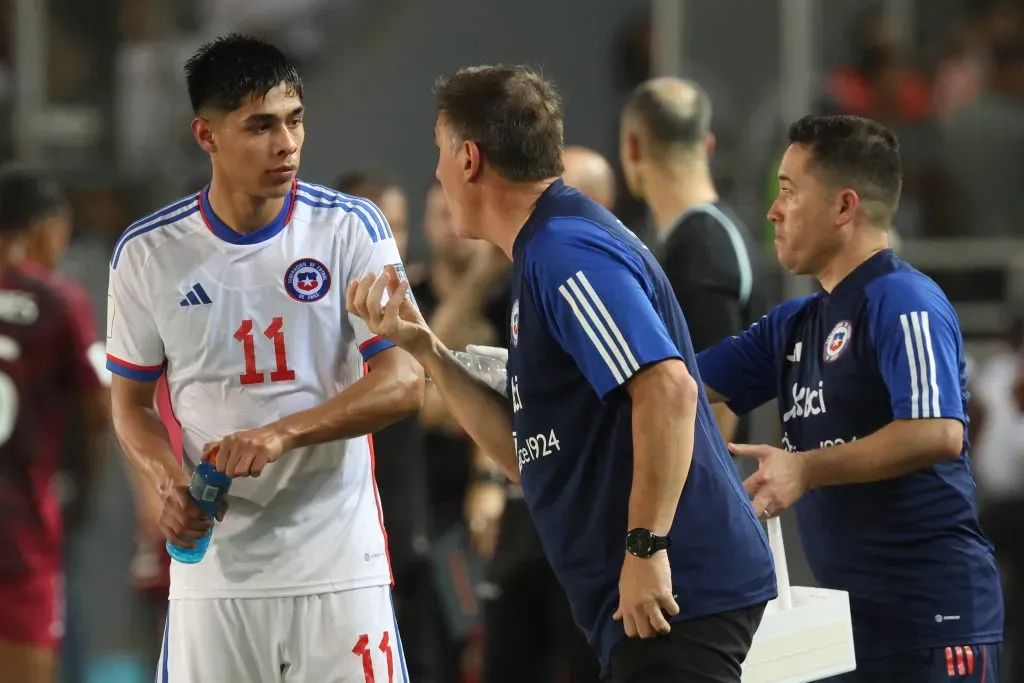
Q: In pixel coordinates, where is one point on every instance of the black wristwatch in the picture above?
(642, 543)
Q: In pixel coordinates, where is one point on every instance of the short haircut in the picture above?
(512, 114)
(367, 183)
(854, 152)
(222, 74)
(674, 114)
(27, 196)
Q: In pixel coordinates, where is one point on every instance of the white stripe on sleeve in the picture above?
(583, 320)
(915, 406)
(922, 365)
(927, 332)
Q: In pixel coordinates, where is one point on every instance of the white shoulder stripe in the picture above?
(599, 327)
(924, 387)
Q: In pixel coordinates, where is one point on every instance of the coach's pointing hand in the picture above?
(645, 591)
(780, 480)
(398, 320)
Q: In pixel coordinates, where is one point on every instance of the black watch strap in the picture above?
(642, 542)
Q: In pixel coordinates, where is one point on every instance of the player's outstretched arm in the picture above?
(482, 412)
(390, 391)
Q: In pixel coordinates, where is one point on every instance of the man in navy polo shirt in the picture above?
(869, 376)
(635, 499)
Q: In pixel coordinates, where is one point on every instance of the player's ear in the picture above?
(203, 133)
(472, 160)
(846, 204)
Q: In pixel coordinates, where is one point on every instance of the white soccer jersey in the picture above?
(251, 328)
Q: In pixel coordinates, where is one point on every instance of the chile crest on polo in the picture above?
(307, 280)
(836, 341)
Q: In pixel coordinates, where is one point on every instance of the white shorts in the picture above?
(345, 637)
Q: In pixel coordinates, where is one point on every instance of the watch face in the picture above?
(638, 542)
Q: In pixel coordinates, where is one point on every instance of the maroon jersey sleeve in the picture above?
(85, 371)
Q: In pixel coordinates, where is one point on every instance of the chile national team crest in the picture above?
(307, 280)
(514, 323)
(836, 341)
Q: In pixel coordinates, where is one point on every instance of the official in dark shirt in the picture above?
(668, 582)
(706, 251)
(869, 375)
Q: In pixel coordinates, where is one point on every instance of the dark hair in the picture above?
(511, 113)
(672, 111)
(365, 183)
(26, 196)
(223, 73)
(858, 153)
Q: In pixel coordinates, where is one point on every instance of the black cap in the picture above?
(26, 196)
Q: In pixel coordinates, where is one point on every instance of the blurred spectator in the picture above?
(464, 297)
(385, 194)
(707, 253)
(878, 84)
(400, 471)
(998, 464)
(984, 143)
(961, 76)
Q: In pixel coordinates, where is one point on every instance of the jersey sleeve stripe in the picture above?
(183, 213)
(908, 341)
(132, 229)
(599, 326)
(341, 204)
(371, 347)
(371, 208)
(630, 364)
(140, 373)
(930, 353)
(367, 210)
(922, 363)
(585, 324)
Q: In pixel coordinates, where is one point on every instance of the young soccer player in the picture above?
(236, 294)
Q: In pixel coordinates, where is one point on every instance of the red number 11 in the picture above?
(275, 332)
(363, 650)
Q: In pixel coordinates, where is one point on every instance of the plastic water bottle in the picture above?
(484, 366)
(207, 488)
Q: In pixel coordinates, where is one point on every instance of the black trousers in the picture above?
(709, 649)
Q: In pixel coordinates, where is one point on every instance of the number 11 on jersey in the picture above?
(275, 333)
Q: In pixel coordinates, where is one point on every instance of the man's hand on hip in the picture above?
(645, 591)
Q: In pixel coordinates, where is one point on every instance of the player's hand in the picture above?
(181, 520)
(246, 454)
(780, 480)
(399, 320)
(645, 595)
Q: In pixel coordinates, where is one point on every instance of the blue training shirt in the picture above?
(884, 345)
(590, 309)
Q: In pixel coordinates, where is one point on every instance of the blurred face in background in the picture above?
(805, 216)
(49, 239)
(439, 228)
(256, 148)
(393, 205)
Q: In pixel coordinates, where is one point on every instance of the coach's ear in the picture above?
(203, 133)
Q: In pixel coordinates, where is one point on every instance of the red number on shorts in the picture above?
(275, 332)
(362, 649)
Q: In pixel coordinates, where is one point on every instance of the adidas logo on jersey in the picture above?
(196, 296)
